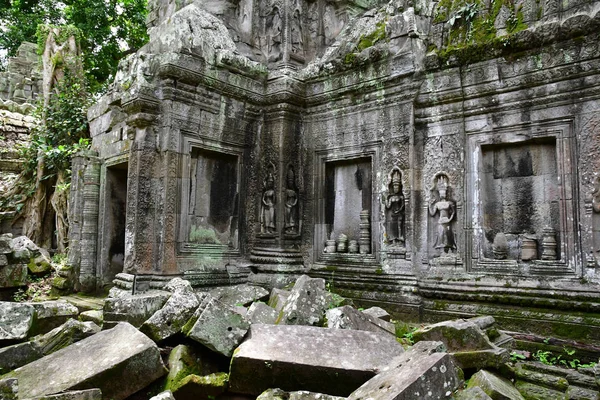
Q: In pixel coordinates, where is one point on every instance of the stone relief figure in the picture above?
(394, 210)
(442, 207)
(267, 205)
(273, 33)
(596, 221)
(297, 40)
(291, 204)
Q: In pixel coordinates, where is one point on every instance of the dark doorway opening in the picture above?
(116, 206)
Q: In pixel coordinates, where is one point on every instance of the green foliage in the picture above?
(514, 356)
(111, 29)
(38, 289)
(405, 332)
(549, 358)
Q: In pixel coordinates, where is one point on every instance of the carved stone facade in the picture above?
(258, 141)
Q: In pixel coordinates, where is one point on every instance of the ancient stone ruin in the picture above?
(387, 147)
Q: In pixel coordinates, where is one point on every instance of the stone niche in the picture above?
(519, 196)
(210, 201)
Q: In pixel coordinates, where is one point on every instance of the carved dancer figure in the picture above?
(394, 209)
(274, 35)
(268, 201)
(291, 204)
(596, 221)
(444, 208)
(297, 40)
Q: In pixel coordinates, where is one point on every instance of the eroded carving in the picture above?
(596, 221)
(267, 206)
(395, 210)
(444, 209)
(291, 204)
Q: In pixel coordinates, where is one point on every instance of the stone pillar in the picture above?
(83, 219)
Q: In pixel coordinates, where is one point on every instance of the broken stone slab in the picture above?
(479, 359)
(178, 284)
(216, 326)
(134, 309)
(321, 360)
(166, 395)
(194, 387)
(5, 244)
(528, 390)
(483, 322)
(457, 335)
(378, 312)
(51, 314)
(27, 252)
(239, 295)
(9, 389)
(122, 352)
(278, 394)
(474, 393)
(173, 315)
(14, 275)
(494, 386)
(15, 322)
(347, 317)
(95, 316)
(88, 394)
(278, 298)
(419, 349)
(433, 376)
(261, 313)
(186, 360)
(306, 304)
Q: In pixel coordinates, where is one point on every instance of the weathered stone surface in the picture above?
(88, 394)
(306, 304)
(169, 320)
(483, 322)
(239, 295)
(9, 389)
(378, 312)
(321, 360)
(51, 314)
(95, 316)
(347, 317)
(418, 350)
(186, 360)
(178, 284)
(261, 313)
(166, 395)
(530, 390)
(474, 393)
(17, 355)
(15, 321)
(201, 387)
(494, 386)
(13, 275)
(278, 394)
(94, 362)
(25, 251)
(278, 298)
(579, 393)
(457, 335)
(5, 244)
(216, 327)
(133, 309)
(421, 372)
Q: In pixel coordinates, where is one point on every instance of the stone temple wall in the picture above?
(394, 155)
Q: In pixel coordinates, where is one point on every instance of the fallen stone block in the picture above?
(88, 394)
(457, 335)
(178, 284)
(134, 309)
(119, 361)
(95, 316)
(378, 312)
(166, 395)
(9, 389)
(321, 360)
(14, 275)
(347, 317)
(278, 394)
(419, 349)
(418, 373)
(3, 260)
(306, 304)
(480, 359)
(528, 390)
(260, 313)
(239, 295)
(579, 393)
(494, 386)
(25, 251)
(278, 298)
(51, 314)
(5, 244)
(474, 393)
(169, 320)
(186, 360)
(15, 322)
(216, 326)
(194, 387)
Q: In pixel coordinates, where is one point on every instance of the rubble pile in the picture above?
(228, 342)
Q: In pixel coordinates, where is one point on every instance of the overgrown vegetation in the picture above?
(547, 357)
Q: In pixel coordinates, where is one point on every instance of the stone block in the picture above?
(378, 312)
(17, 355)
(134, 309)
(260, 313)
(14, 275)
(186, 360)
(474, 393)
(422, 376)
(494, 386)
(216, 326)
(95, 362)
(5, 244)
(278, 298)
(239, 295)
(51, 314)
(478, 359)
(194, 387)
(306, 304)
(9, 389)
(3, 260)
(278, 394)
(347, 317)
(332, 361)
(88, 394)
(169, 320)
(15, 322)
(95, 316)
(457, 335)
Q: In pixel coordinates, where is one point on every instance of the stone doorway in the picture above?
(113, 251)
